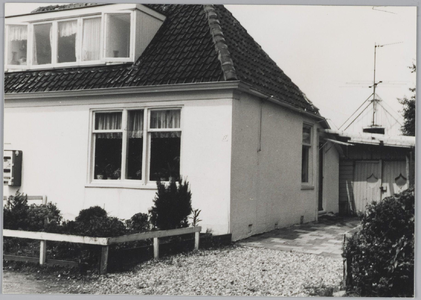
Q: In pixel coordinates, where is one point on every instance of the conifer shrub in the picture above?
(172, 205)
(381, 253)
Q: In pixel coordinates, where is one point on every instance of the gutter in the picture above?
(246, 88)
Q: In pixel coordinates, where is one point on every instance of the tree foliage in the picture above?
(408, 127)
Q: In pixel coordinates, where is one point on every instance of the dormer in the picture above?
(83, 36)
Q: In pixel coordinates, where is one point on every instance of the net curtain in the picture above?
(165, 119)
(91, 39)
(108, 121)
(18, 33)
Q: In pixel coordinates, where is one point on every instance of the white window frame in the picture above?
(309, 183)
(104, 34)
(144, 182)
(78, 50)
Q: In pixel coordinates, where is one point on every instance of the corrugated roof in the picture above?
(196, 43)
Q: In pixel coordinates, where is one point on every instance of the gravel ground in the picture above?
(231, 271)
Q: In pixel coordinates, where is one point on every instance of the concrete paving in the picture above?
(322, 238)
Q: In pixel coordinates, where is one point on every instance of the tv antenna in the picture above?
(375, 101)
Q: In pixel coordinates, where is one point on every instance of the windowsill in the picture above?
(307, 186)
(121, 185)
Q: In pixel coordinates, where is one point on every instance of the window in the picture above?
(71, 42)
(91, 39)
(164, 131)
(66, 41)
(17, 43)
(118, 35)
(119, 143)
(42, 40)
(306, 153)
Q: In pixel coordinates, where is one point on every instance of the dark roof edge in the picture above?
(221, 46)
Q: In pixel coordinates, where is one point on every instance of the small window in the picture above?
(42, 44)
(118, 35)
(66, 42)
(306, 153)
(17, 44)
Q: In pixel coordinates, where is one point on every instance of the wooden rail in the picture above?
(104, 242)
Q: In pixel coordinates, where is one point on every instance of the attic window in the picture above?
(102, 38)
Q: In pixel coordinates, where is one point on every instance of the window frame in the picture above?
(123, 182)
(309, 148)
(105, 17)
(78, 43)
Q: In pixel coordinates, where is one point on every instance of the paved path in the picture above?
(322, 238)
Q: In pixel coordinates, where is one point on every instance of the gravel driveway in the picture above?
(231, 271)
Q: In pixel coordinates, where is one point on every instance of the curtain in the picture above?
(18, 33)
(135, 126)
(165, 119)
(91, 39)
(67, 28)
(108, 121)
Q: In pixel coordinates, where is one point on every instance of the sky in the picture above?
(328, 51)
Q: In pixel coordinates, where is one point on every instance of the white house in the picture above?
(103, 100)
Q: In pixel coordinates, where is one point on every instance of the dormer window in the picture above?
(95, 35)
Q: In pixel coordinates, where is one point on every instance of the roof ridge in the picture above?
(221, 47)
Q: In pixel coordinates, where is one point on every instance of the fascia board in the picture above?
(192, 87)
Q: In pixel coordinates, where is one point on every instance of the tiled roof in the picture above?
(196, 43)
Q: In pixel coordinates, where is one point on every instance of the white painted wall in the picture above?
(54, 137)
(266, 185)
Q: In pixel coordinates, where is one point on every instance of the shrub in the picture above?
(172, 205)
(15, 212)
(382, 251)
(94, 222)
(138, 223)
(44, 217)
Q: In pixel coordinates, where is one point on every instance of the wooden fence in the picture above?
(104, 242)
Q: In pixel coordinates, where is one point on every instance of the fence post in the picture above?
(196, 240)
(155, 248)
(43, 244)
(104, 260)
(42, 252)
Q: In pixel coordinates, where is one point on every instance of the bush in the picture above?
(94, 222)
(138, 223)
(172, 205)
(44, 217)
(15, 212)
(382, 251)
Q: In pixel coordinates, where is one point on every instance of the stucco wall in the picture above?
(266, 185)
(54, 137)
(330, 178)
